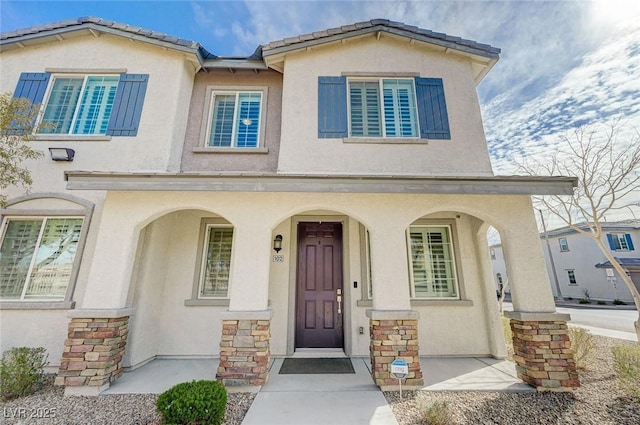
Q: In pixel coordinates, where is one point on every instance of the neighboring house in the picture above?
(581, 268)
(331, 191)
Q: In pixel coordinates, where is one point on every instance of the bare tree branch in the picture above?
(608, 172)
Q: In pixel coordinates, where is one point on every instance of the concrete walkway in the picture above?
(326, 399)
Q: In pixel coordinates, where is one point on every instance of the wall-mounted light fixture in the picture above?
(277, 243)
(62, 154)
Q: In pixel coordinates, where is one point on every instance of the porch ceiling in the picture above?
(270, 182)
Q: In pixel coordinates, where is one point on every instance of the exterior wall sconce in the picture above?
(277, 243)
(62, 154)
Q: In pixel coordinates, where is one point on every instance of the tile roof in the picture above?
(98, 23)
(382, 24)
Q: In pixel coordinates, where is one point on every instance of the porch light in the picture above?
(277, 243)
(62, 154)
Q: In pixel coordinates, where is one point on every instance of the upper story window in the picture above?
(620, 241)
(564, 245)
(433, 271)
(235, 117)
(37, 256)
(384, 108)
(86, 104)
(571, 275)
(80, 105)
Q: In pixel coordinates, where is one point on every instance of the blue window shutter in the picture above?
(612, 244)
(432, 109)
(127, 106)
(31, 85)
(629, 243)
(332, 107)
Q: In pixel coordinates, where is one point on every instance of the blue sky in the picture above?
(563, 63)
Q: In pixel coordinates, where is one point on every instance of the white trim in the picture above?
(74, 265)
(452, 254)
(207, 119)
(203, 264)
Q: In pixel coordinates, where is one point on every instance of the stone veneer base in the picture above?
(392, 339)
(543, 354)
(244, 352)
(92, 356)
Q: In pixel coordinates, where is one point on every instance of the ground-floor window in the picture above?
(216, 262)
(37, 256)
(432, 263)
(571, 274)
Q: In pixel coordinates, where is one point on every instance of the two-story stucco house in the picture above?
(576, 265)
(332, 191)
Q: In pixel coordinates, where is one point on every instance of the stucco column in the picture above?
(246, 328)
(390, 279)
(113, 259)
(251, 258)
(526, 269)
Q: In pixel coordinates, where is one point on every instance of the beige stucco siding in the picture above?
(257, 283)
(302, 152)
(163, 119)
(199, 112)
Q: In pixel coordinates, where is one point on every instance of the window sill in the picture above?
(231, 150)
(37, 305)
(70, 138)
(385, 140)
(441, 303)
(207, 303)
(364, 303)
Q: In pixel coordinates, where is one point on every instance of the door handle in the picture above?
(339, 300)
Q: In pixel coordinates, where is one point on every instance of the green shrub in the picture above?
(22, 371)
(436, 412)
(600, 302)
(619, 302)
(582, 343)
(195, 402)
(584, 301)
(626, 364)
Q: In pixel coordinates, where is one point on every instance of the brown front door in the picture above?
(319, 286)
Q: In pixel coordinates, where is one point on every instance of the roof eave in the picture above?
(90, 27)
(488, 53)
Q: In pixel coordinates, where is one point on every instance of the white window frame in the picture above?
(383, 126)
(621, 239)
(571, 274)
(74, 266)
(203, 261)
(564, 247)
(45, 103)
(207, 121)
(454, 266)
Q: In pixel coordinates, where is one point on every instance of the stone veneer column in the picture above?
(543, 353)
(93, 352)
(244, 348)
(394, 334)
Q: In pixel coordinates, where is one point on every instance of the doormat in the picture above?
(297, 366)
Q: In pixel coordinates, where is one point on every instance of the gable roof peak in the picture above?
(379, 24)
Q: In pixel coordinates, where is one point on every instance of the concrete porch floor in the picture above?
(440, 374)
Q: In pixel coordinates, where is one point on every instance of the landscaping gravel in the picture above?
(598, 401)
(50, 406)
